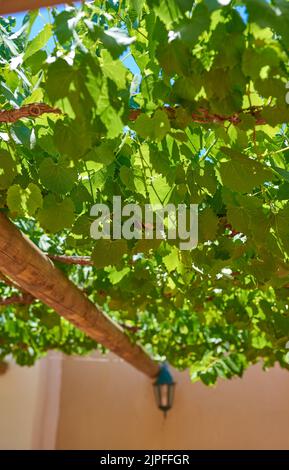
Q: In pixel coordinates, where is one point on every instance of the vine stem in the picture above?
(50, 21)
(143, 169)
(89, 179)
(11, 144)
(203, 157)
(280, 151)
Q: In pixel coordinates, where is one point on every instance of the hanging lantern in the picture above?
(164, 389)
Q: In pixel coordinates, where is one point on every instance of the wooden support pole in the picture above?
(34, 272)
(13, 6)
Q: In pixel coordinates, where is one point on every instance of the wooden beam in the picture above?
(34, 272)
(14, 6)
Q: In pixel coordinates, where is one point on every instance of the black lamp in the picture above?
(164, 389)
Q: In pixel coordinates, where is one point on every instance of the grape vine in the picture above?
(171, 101)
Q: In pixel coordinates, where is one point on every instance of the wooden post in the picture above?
(13, 6)
(34, 272)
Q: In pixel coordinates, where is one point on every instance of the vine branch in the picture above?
(24, 299)
(80, 260)
(202, 115)
(28, 111)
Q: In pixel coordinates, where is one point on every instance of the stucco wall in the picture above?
(29, 405)
(106, 404)
(19, 406)
(103, 403)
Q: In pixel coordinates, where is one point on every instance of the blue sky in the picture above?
(43, 18)
(40, 21)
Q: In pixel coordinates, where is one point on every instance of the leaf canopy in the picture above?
(175, 101)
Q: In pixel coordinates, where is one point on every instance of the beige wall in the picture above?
(106, 404)
(29, 405)
(19, 406)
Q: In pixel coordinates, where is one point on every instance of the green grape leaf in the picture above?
(154, 128)
(242, 173)
(38, 42)
(56, 216)
(103, 153)
(208, 224)
(7, 169)
(23, 202)
(108, 252)
(60, 77)
(57, 176)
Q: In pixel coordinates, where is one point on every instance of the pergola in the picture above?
(13, 6)
(35, 273)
